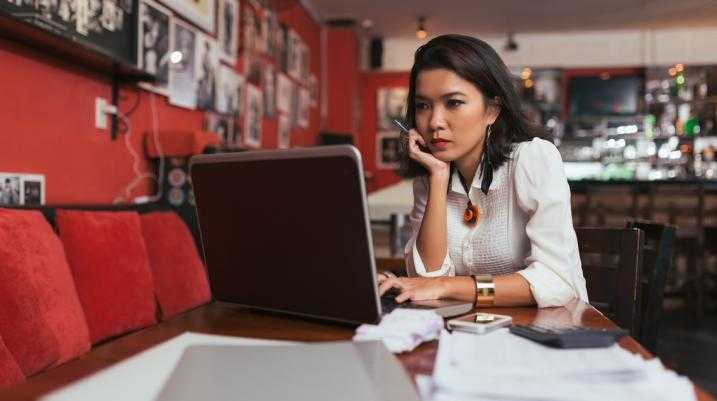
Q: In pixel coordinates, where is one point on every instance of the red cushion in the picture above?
(180, 280)
(10, 373)
(109, 263)
(34, 256)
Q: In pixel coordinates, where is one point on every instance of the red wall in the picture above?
(370, 83)
(343, 76)
(47, 116)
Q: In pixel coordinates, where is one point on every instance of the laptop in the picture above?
(288, 231)
(335, 371)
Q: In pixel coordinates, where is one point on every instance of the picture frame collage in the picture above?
(232, 59)
(22, 189)
(390, 105)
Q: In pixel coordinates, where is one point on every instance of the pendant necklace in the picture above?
(472, 212)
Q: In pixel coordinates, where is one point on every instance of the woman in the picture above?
(491, 219)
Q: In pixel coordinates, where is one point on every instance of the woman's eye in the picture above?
(421, 106)
(454, 103)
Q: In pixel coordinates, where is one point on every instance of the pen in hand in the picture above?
(400, 125)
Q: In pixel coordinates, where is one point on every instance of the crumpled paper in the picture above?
(403, 330)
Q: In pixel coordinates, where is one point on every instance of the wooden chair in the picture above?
(612, 263)
(657, 262)
(683, 206)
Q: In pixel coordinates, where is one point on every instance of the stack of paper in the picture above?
(503, 366)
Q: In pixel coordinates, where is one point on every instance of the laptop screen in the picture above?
(288, 231)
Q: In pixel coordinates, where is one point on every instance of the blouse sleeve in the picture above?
(414, 263)
(553, 265)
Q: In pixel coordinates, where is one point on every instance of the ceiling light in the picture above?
(421, 32)
(367, 23)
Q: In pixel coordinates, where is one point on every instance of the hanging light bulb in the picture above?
(421, 32)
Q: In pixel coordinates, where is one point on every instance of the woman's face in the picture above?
(451, 114)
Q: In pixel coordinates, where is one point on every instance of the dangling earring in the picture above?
(486, 165)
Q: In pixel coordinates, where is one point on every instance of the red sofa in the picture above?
(72, 278)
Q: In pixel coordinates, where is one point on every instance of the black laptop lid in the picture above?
(287, 230)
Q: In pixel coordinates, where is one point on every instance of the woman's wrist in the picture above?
(458, 287)
(439, 173)
(439, 179)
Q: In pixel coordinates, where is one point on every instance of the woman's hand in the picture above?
(413, 288)
(424, 157)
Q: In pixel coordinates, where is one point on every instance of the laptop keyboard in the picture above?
(388, 304)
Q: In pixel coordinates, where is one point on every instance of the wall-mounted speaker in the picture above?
(376, 53)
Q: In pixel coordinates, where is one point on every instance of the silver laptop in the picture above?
(288, 231)
(340, 371)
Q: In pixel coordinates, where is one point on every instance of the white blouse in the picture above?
(525, 226)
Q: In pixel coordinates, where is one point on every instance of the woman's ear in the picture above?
(493, 110)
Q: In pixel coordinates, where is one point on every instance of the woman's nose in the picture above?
(437, 120)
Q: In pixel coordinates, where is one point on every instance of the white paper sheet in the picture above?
(502, 366)
(141, 377)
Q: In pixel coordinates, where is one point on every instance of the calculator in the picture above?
(568, 336)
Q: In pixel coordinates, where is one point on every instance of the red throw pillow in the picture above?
(108, 260)
(180, 280)
(33, 264)
(10, 373)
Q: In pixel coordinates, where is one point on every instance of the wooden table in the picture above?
(227, 319)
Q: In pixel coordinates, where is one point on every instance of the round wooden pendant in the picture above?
(471, 215)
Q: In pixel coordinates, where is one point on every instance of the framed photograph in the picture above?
(221, 125)
(183, 74)
(272, 24)
(304, 61)
(304, 105)
(207, 62)
(238, 126)
(198, 12)
(228, 90)
(228, 30)
(284, 132)
(294, 106)
(280, 51)
(269, 87)
(254, 114)
(237, 109)
(314, 90)
(293, 54)
(153, 44)
(390, 104)
(253, 68)
(11, 192)
(388, 156)
(33, 189)
(253, 40)
(262, 43)
(284, 88)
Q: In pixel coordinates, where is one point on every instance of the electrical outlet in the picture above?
(100, 114)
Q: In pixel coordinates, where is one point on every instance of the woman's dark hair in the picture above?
(475, 61)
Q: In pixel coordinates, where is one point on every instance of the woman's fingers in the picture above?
(387, 284)
(419, 138)
(384, 275)
(404, 296)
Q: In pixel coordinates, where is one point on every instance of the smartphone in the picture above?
(479, 323)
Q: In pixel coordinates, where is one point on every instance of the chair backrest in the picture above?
(612, 262)
(656, 263)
